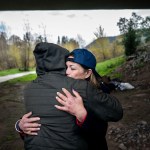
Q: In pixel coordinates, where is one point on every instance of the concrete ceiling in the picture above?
(73, 4)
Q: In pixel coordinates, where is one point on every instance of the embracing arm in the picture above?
(104, 106)
(28, 125)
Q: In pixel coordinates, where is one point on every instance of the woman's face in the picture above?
(76, 71)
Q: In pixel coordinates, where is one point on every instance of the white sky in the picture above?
(67, 23)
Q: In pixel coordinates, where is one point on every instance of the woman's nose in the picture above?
(67, 71)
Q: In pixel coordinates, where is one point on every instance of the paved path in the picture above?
(12, 76)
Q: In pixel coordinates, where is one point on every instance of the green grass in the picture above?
(108, 66)
(23, 79)
(12, 71)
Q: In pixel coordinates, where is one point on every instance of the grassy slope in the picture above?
(108, 66)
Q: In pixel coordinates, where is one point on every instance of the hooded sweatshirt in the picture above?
(58, 128)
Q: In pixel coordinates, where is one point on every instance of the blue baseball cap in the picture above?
(85, 58)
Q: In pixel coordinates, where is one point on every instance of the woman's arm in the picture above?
(28, 124)
(104, 106)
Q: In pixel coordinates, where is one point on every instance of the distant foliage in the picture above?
(69, 44)
(130, 42)
(133, 29)
(103, 48)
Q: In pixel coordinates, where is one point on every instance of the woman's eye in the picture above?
(73, 68)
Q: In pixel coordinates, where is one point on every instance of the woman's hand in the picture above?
(71, 104)
(29, 125)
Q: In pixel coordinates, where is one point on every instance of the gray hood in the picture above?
(49, 58)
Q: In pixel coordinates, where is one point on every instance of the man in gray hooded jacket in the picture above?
(58, 128)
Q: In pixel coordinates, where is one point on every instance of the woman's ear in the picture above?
(88, 73)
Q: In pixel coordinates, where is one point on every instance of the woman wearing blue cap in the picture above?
(80, 65)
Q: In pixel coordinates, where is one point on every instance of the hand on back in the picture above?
(29, 124)
(71, 104)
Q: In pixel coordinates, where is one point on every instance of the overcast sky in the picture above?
(67, 23)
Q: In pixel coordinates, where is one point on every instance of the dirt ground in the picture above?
(130, 133)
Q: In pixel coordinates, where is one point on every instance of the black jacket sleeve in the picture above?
(105, 106)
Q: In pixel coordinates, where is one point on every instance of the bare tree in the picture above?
(3, 47)
(58, 41)
(27, 39)
(3, 51)
(100, 32)
(80, 41)
(43, 27)
(14, 52)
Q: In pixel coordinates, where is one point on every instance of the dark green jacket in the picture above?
(59, 130)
